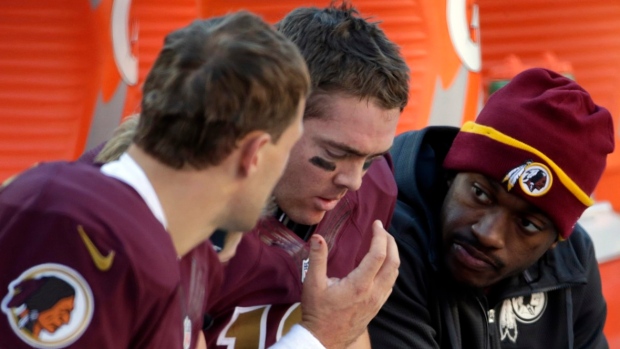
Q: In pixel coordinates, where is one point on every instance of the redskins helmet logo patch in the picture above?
(524, 309)
(48, 306)
(534, 178)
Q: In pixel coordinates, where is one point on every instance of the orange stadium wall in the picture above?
(49, 76)
(72, 70)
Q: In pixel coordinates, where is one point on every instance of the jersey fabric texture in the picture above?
(201, 276)
(556, 303)
(259, 300)
(95, 237)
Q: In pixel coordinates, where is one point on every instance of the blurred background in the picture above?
(71, 70)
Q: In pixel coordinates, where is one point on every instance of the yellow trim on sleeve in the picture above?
(472, 127)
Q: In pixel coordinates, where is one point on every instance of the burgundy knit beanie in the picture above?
(544, 139)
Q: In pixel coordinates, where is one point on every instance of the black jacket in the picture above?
(556, 303)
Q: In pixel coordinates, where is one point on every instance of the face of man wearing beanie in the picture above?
(525, 170)
(489, 233)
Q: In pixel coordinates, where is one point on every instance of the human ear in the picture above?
(251, 148)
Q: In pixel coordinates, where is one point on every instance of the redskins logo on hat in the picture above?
(48, 306)
(534, 178)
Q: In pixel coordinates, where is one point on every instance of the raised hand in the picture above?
(337, 311)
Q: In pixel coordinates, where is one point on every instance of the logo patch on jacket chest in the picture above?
(524, 309)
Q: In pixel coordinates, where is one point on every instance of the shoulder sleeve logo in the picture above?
(103, 263)
(49, 306)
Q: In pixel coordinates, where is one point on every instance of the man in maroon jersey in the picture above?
(336, 184)
(115, 234)
(222, 107)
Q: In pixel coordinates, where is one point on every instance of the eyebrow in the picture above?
(495, 184)
(349, 150)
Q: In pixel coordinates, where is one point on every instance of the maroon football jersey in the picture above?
(259, 300)
(201, 276)
(85, 264)
(199, 267)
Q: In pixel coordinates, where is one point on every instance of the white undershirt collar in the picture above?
(127, 170)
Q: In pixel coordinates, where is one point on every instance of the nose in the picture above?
(490, 229)
(64, 319)
(350, 176)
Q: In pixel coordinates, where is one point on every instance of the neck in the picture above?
(192, 205)
(302, 230)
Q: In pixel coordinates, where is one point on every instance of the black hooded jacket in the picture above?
(556, 303)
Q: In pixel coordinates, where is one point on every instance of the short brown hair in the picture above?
(346, 53)
(214, 82)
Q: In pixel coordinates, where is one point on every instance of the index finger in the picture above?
(372, 262)
(389, 269)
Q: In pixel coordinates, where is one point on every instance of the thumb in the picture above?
(317, 270)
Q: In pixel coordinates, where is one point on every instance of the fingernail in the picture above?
(314, 243)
